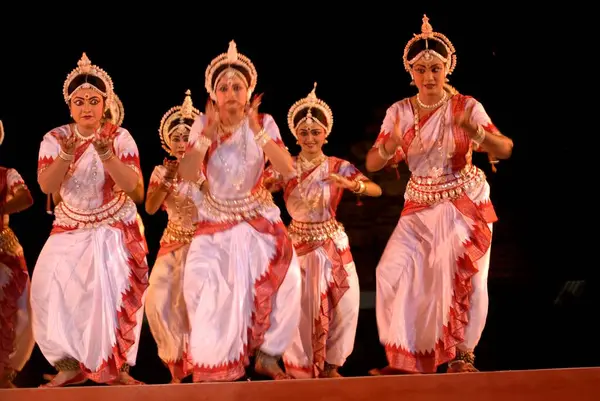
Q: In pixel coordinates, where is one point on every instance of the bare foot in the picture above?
(180, 379)
(7, 377)
(388, 371)
(267, 365)
(65, 378)
(125, 380)
(330, 374)
(461, 367)
(48, 376)
(5, 383)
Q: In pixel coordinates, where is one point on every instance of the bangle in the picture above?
(402, 154)
(168, 185)
(480, 136)
(202, 141)
(361, 187)
(383, 153)
(201, 181)
(106, 155)
(65, 156)
(262, 138)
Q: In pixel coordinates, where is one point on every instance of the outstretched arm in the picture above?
(351, 178)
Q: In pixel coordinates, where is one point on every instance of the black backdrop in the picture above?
(354, 53)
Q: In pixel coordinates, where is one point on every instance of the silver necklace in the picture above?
(432, 106)
(80, 135)
(313, 199)
(241, 171)
(435, 172)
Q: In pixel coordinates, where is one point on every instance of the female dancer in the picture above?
(242, 280)
(16, 337)
(115, 114)
(89, 282)
(331, 294)
(432, 277)
(165, 306)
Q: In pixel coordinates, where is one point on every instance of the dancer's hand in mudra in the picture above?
(212, 120)
(463, 120)
(252, 111)
(102, 144)
(341, 182)
(396, 136)
(69, 144)
(172, 166)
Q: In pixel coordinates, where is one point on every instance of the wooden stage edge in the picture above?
(581, 384)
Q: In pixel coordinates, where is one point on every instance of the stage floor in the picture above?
(525, 330)
(533, 385)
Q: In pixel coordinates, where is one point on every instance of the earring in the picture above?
(447, 80)
(297, 142)
(412, 83)
(325, 141)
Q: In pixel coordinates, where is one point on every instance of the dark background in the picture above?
(505, 60)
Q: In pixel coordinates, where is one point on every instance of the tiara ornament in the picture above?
(428, 34)
(311, 102)
(178, 114)
(232, 54)
(232, 57)
(426, 28)
(85, 66)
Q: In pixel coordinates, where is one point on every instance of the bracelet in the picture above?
(168, 185)
(106, 155)
(262, 138)
(480, 137)
(402, 154)
(383, 153)
(202, 141)
(65, 156)
(362, 187)
(201, 181)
